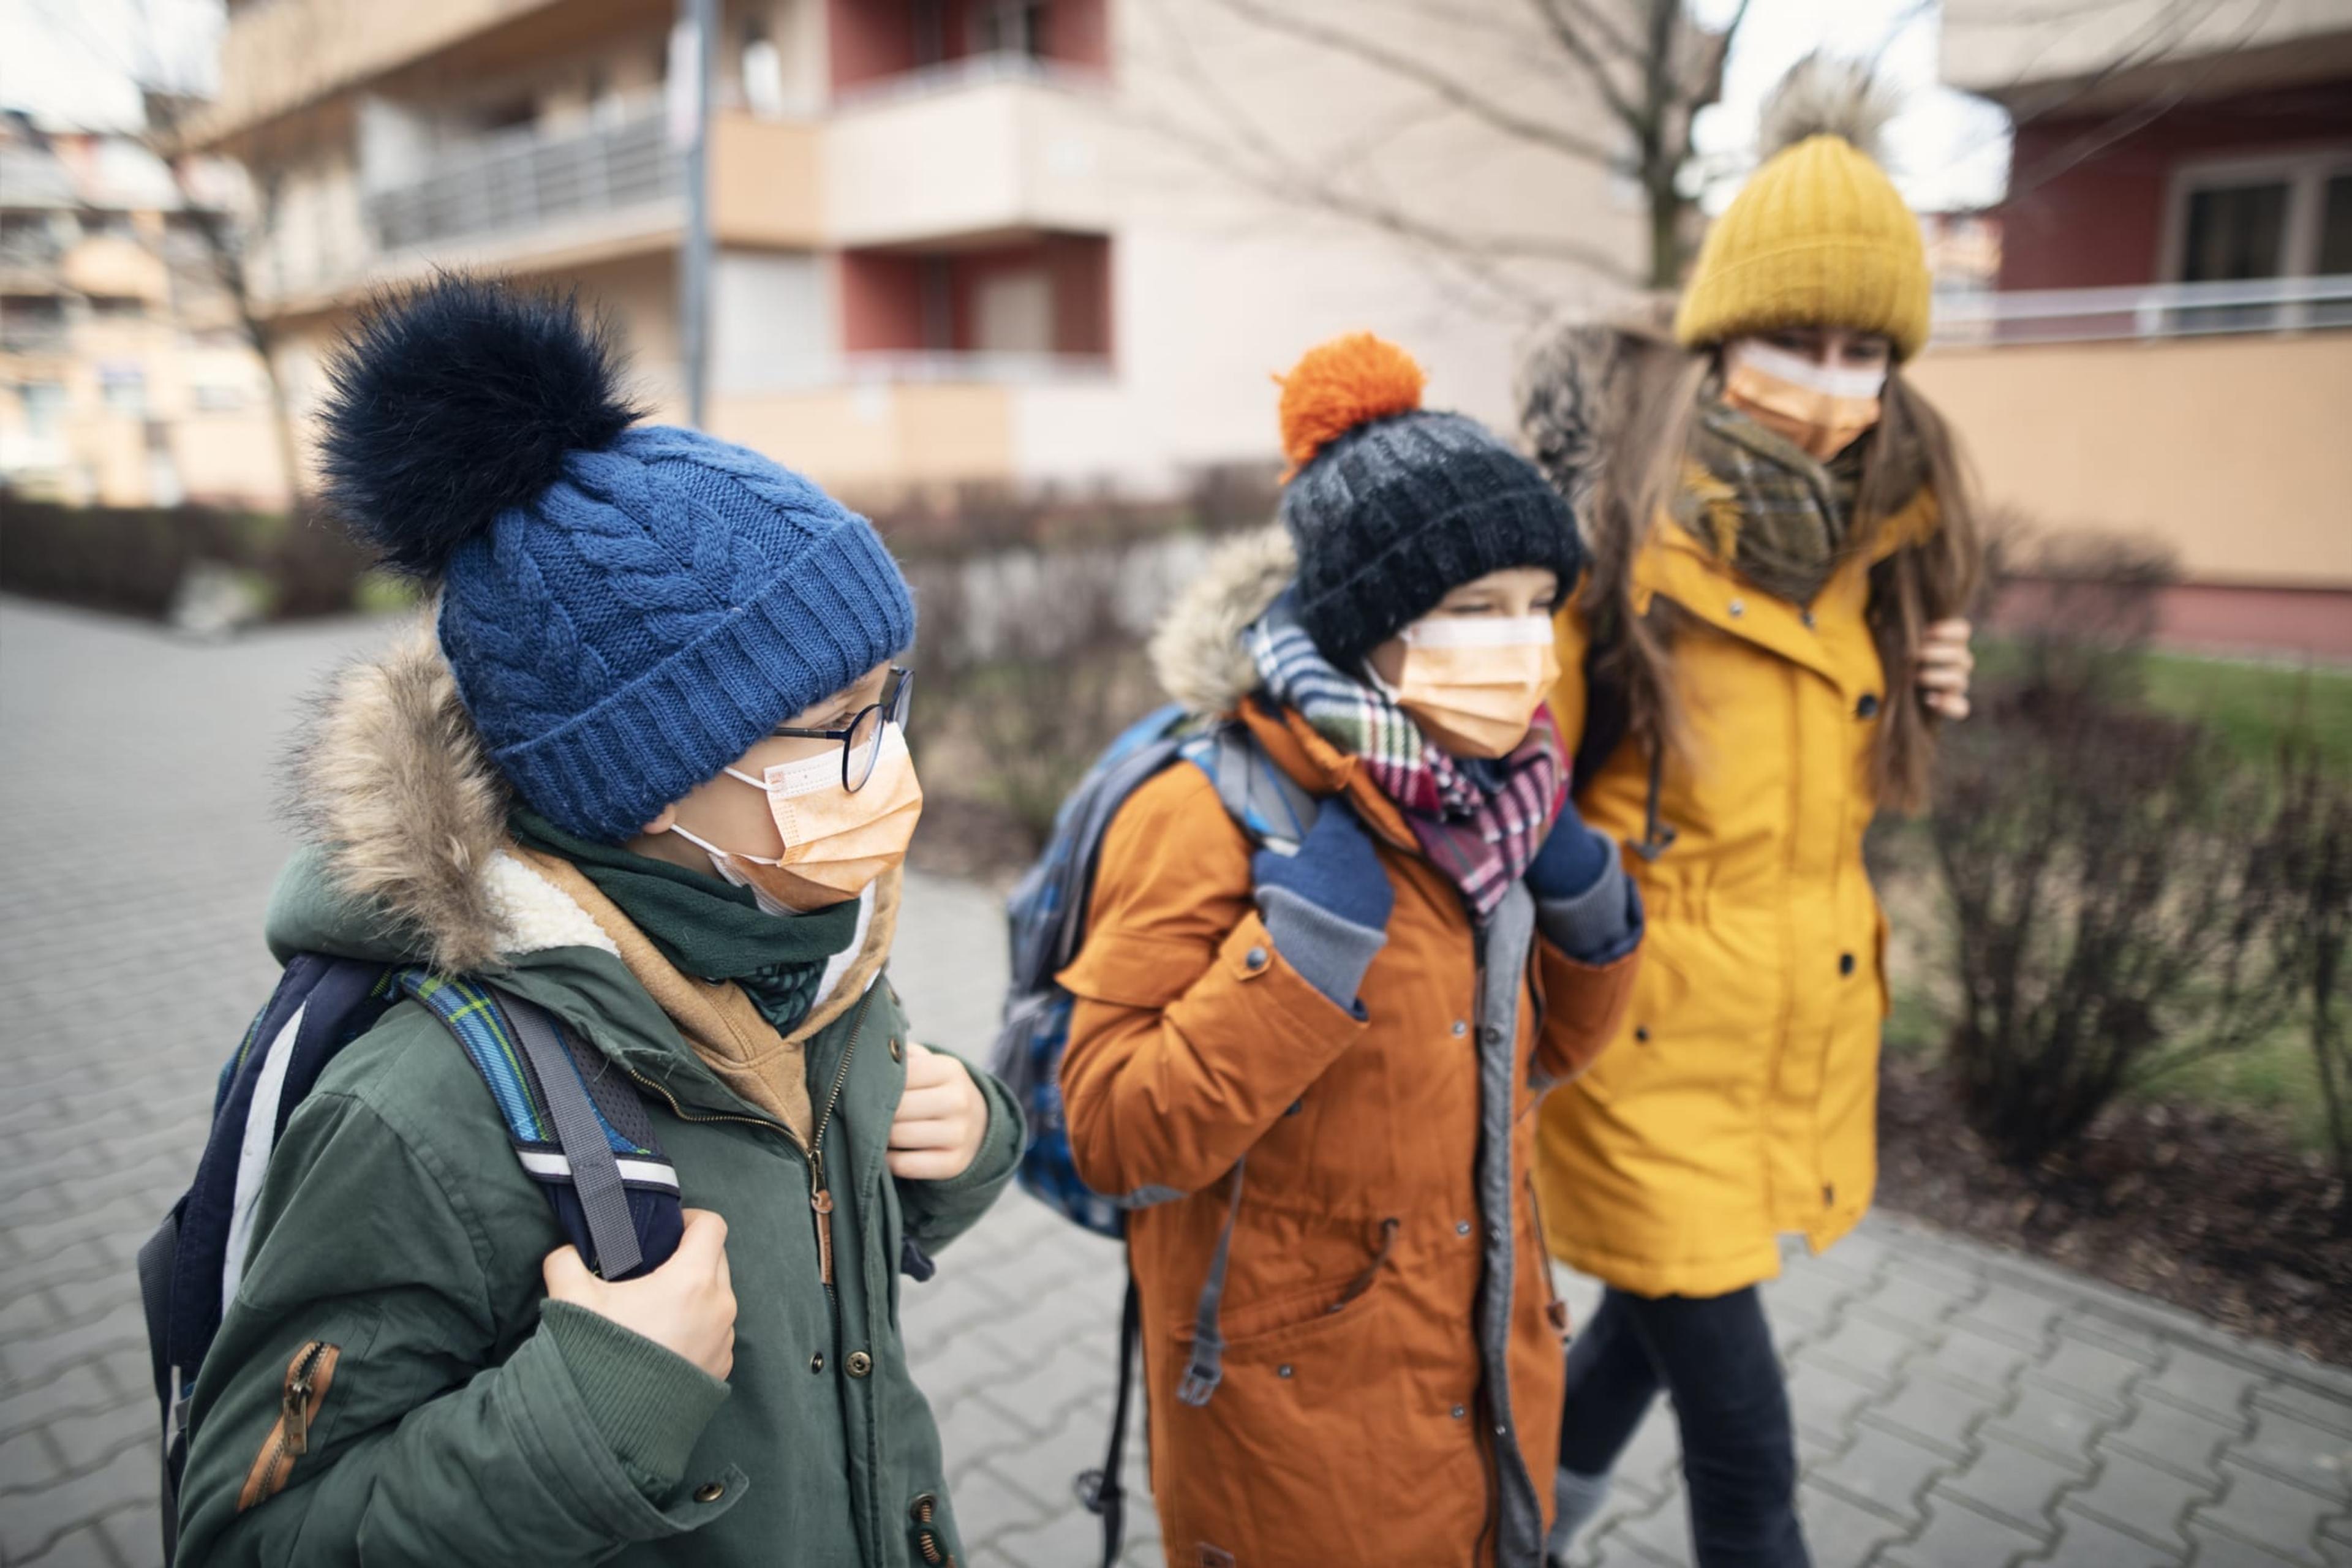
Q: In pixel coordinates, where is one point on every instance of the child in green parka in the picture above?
(646, 770)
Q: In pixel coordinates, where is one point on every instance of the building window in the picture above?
(124, 387)
(2248, 219)
(2235, 233)
(117, 307)
(32, 323)
(44, 408)
(1011, 27)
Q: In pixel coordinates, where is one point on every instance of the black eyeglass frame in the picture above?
(896, 697)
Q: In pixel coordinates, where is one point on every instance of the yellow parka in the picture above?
(1738, 1101)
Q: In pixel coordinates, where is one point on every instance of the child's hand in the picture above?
(687, 1306)
(1944, 666)
(942, 1119)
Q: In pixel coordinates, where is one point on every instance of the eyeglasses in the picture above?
(861, 743)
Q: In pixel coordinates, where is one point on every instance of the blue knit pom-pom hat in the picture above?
(627, 608)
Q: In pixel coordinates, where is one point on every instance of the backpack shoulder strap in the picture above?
(578, 1129)
(1273, 808)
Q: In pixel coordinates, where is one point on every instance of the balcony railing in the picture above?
(2165, 311)
(525, 179)
(968, 70)
(871, 366)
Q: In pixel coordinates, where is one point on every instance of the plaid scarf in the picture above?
(1765, 504)
(1479, 821)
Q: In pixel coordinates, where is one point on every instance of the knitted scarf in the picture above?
(703, 926)
(1770, 508)
(1479, 821)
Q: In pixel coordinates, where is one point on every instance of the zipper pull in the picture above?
(297, 1410)
(821, 1200)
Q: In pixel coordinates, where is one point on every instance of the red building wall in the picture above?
(868, 40)
(2087, 208)
(882, 294)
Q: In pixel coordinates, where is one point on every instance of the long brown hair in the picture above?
(1924, 581)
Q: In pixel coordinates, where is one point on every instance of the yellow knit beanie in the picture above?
(1818, 236)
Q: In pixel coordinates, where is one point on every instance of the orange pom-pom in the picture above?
(1340, 384)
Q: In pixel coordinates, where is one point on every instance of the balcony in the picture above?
(991, 145)
(522, 181)
(2206, 416)
(2167, 310)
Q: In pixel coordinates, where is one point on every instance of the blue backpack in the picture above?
(580, 1132)
(1048, 914)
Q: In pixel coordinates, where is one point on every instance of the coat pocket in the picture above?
(301, 1394)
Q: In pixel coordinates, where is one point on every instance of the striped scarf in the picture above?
(1479, 821)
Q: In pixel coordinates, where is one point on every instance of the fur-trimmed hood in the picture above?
(408, 856)
(1196, 650)
(405, 811)
(1573, 393)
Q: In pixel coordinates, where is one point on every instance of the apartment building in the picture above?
(1012, 240)
(2167, 350)
(123, 379)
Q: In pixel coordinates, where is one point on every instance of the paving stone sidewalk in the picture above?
(1956, 1406)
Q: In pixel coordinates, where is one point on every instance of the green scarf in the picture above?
(705, 927)
(1779, 515)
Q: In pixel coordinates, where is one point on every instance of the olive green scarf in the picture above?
(1777, 515)
(705, 927)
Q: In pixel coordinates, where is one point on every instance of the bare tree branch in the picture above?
(1564, 31)
(1455, 94)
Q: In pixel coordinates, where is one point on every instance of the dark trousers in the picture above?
(1714, 1357)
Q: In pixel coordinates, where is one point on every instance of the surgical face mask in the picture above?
(1821, 409)
(1473, 683)
(836, 843)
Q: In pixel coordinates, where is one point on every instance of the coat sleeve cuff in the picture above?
(1598, 925)
(649, 1404)
(1329, 952)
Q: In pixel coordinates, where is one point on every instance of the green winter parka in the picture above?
(461, 1418)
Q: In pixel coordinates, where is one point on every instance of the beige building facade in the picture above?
(2166, 355)
(1020, 241)
(123, 378)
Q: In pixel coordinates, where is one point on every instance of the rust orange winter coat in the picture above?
(1360, 1419)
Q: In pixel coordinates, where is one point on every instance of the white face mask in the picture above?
(1473, 683)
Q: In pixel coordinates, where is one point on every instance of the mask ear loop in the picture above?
(708, 847)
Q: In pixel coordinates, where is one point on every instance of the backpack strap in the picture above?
(577, 1128)
(1103, 1492)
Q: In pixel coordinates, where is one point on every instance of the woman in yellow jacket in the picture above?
(1779, 541)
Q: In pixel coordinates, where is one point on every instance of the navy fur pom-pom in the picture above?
(448, 405)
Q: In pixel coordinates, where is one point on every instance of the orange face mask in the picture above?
(1817, 408)
(836, 842)
(1473, 684)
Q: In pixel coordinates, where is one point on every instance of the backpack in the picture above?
(1048, 912)
(580, 1132)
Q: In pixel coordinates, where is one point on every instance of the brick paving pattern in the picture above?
(1957, 1407)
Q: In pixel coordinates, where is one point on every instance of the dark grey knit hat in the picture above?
(1396, 507)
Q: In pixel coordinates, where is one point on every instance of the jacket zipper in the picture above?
(300, 1396)
(820, 1196)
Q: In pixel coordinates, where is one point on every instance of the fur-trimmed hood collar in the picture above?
(1573, 392)
(1196, 650)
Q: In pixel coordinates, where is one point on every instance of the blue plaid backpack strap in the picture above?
(1274, 809)
(578, 1127)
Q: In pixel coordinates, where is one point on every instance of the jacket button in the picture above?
(816, 1362)
(1460, 1411)
(1739, 607)
(1641, 1033)
(859, 1363)
(922, 1507)
(1461, 1228)
(1868, 707)
(1254, 960)
(710, 1491)
(1845, 964)
(1807, 617)
(1461, 1027)
(1282, 1371)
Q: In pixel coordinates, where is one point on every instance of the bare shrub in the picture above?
(2313, 841)
(2115, 893)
